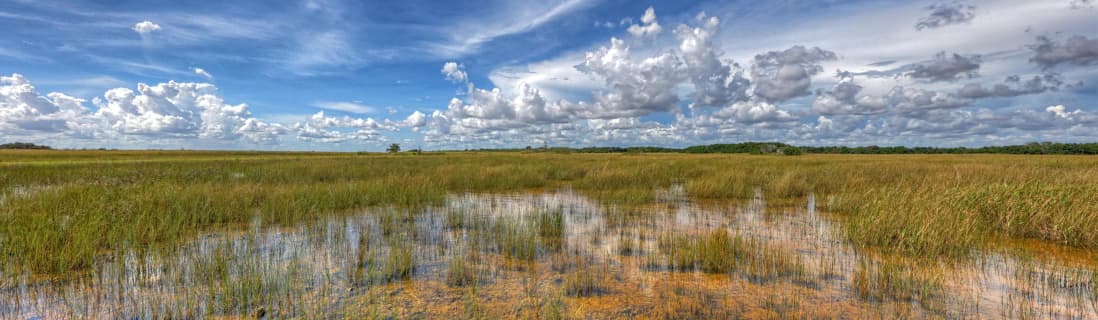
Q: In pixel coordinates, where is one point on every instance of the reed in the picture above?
(461, 270)
(897, 281)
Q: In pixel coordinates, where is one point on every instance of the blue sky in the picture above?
(358, 75)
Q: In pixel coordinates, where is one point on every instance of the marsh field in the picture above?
(178, 234)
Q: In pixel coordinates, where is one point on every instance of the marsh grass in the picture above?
(550, 228)
(515, 238)
(883, 281)
(684, 302)
(714, 252)
(587, 279)
(628, 245)
(718, 251)
(753, 261)
(783, 307)
(63, 217)
(461, 270)
(400, 263)
(85, 204)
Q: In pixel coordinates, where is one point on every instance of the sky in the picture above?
(359, 75)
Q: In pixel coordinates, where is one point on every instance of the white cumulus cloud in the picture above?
(455, 72)
(203, 73)
(23, 109)
(145, 27)
(648, 27)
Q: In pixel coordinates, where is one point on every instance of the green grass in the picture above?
(461, 271)
(515, 238)
(718, 251)
(898, 281)
(715, 251)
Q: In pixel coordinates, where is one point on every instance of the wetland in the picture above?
(546, 236)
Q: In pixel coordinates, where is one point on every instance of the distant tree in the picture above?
(23, 145)
(394, 148)
(791, 151)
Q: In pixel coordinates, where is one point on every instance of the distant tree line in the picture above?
(626, 150)
(1029, 148)
(746, 147)
(23, 145)
(786, 149)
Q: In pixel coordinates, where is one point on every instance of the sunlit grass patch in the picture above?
(897, 281)
(715, 251)
(719, 251)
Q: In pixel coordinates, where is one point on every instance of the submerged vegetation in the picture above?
(898, 218)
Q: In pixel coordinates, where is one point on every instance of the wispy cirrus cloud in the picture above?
(321, 52)
(203, 73)
(513, 18)
(352, 107)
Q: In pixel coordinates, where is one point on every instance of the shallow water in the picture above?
(544, 255)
